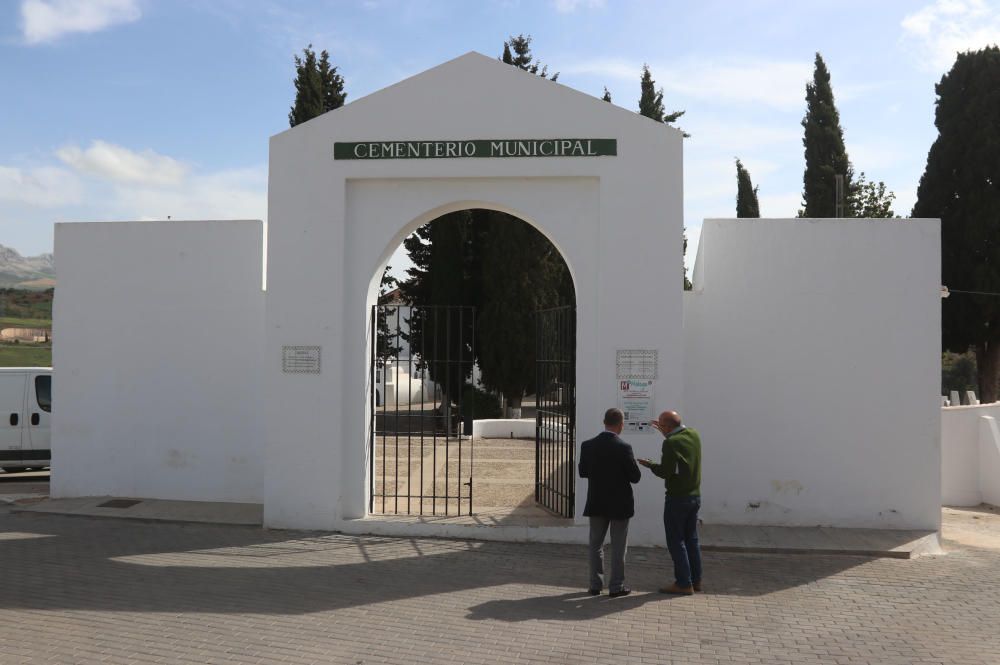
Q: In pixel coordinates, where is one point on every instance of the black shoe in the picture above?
(594, 592)
(624, 591)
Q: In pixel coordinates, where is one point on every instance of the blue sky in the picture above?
(140, 109)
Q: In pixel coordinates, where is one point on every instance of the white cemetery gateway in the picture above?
(807, 354)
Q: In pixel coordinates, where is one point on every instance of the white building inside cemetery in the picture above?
(807, 354)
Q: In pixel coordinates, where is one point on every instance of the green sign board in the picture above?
(476, 148)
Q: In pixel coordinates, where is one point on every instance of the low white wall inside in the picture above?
(970, 455)
(510, 428)
(812, 370)
(157, 384)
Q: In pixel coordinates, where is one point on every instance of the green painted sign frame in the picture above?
(475, 148)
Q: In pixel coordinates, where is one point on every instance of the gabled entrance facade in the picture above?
(601, 183)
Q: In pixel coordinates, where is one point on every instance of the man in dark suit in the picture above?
(609, 466)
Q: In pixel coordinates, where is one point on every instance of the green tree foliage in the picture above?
(445, 272)
(387, 346)
(870, 200)
(961, 185)
(318, 87)
(746, 193)
(517, 52)
(958, 372)
(651, 106)
(651, 101)
(826, 156)
(522, 273)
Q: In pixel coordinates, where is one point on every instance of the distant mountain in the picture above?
(31, 272)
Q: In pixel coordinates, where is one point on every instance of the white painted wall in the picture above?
(334, 224)
(156, 362)
(970, 455)
(808, 355)
(812, 371)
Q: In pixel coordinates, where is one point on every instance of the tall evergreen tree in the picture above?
(746, 193)
(445, 272)
(651, 100)
(651, 106)
(517, 52)
(318, 87)
(522, 273)
(826, 156)
(961, 185)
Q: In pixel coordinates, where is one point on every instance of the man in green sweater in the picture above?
(680, 467)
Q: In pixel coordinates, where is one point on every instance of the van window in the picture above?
(43, 392)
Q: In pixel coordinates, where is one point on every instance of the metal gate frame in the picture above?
(555, 419)
(411, 434)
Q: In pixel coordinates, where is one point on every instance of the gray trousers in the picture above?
(619, 542)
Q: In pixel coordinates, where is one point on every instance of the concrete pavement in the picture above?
(83, 590)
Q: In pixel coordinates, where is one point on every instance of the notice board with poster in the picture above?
(637, 371)
(635, 399)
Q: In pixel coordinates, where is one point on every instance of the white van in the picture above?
(25, 412)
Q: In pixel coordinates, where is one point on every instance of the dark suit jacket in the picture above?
(608, 464)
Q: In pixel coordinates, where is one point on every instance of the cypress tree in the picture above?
(961, 186)
(746, 193)
(651, 100)
(444, 272)
(826, 156)
(651, 106)
(517, 53)
(318, 87)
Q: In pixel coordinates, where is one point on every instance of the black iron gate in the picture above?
(420, 447)
(555, 421)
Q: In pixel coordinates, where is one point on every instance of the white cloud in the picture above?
(779, 205)
(48, 20)
(44, 187)
(570, 6)
(739, 138)
(940, 30)
(230, 194)
(772, 83)
(118, 164)
(876, 157)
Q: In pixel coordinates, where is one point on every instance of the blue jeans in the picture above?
(680, 521)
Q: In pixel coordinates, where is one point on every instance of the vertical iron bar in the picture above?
(371, 423)
(461, 420)
(447, 408)
(409, 419)
(434, 421)
(395, 384)
(423, 391)
(385, 418)
(472, 406)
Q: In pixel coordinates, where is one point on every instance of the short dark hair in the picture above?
(613, 417)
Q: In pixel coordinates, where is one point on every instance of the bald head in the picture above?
(669, 420)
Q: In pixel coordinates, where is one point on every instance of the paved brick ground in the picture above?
(81, 590)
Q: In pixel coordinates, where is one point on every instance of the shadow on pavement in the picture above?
(112, 565)
(577, 606)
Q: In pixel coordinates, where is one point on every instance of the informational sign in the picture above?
(635, 399)
(637, 371)
(476, 148)
(300, 359)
